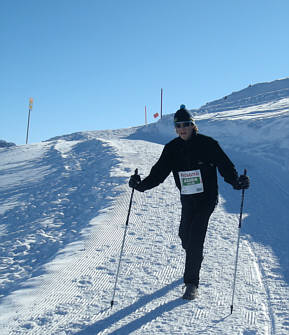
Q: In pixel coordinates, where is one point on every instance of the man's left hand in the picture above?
(242, 183)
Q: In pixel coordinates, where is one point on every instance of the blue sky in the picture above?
(95, 64)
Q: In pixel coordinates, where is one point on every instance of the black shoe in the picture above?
(191, 292)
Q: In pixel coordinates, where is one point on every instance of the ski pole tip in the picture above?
(231, 309)
(111, 304)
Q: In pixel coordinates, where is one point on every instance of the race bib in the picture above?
(191, 182)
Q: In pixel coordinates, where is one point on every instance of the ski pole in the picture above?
(237, 252)
(122, 246)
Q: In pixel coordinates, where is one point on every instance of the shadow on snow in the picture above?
(139, 322)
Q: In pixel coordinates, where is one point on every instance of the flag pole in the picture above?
(161, 102)
(28, 122)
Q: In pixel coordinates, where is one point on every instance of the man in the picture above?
(193, 158)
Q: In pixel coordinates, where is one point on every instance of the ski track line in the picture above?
(267, 261)
(258, 272)
(148, 295)
(276, 293)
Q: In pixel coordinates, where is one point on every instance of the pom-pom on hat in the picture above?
(183, 115)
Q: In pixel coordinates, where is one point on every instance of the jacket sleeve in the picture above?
(159, 172)
(225, 166)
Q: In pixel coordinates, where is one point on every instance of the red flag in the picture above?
(156, 115)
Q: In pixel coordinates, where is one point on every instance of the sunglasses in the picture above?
(183, 124)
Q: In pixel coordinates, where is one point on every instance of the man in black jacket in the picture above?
(193, 158)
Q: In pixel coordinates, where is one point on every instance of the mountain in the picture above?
(4, 144)
(64, 205)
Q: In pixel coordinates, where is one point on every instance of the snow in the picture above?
(64, 205)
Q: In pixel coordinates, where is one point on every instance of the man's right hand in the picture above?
(134, 181)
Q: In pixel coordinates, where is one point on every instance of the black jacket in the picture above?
(200, 152)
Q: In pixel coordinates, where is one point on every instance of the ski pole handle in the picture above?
(242, 202)
(135, 173)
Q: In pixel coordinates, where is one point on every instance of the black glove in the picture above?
(242, 183)
(134, 181)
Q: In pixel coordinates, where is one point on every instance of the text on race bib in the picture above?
(191, 182)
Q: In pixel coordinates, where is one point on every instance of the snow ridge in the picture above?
(253, 95)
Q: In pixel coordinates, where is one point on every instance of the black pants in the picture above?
(192, 231)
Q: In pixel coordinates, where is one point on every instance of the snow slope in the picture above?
(63, 209)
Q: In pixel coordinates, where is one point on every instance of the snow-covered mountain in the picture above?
(63, 209)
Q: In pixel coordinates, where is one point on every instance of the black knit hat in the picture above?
(183, 115)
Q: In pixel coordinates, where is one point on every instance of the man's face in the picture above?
(184, 130)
